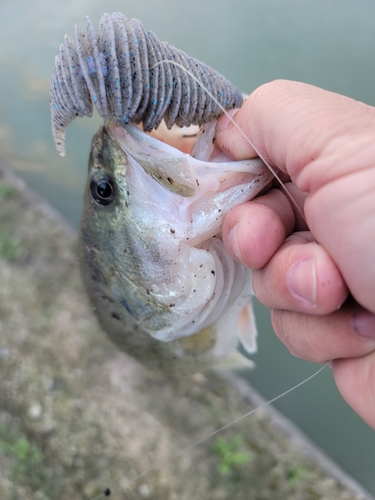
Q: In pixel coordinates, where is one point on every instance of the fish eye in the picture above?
(102, 189)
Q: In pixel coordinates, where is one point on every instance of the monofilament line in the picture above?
(107, 492)
(234, 422)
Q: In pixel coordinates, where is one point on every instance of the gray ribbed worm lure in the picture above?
(122, 70)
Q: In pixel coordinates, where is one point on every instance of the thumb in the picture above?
(291, 125)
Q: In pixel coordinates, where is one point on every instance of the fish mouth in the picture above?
(203, 169)
(180, 138)
(166, 164)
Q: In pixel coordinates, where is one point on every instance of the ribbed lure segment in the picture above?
(123, 71)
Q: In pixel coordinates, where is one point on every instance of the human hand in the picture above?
(305, 271)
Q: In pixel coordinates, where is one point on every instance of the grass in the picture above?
(6, 190)
(25, 458)
(9, 245)
(229, 453)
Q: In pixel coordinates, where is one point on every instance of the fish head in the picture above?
(150, 245)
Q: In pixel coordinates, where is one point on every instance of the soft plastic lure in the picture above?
(123, 70)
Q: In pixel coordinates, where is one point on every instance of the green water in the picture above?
(326, 43)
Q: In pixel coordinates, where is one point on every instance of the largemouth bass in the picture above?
(153, 261)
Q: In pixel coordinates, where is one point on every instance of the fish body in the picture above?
(163, 286)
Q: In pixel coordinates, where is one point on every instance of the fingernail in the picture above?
(302, 281)
(364, 323)
(233, 241)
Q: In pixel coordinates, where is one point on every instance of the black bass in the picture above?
(151, 252)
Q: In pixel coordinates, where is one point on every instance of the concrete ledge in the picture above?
(77, 416)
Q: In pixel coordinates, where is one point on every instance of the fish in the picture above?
(163, 286)
(151, 252)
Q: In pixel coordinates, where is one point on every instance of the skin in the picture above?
(317, 275)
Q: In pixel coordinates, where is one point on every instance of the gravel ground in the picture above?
(78, 417)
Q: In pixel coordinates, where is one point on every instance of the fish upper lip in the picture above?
(131, 132)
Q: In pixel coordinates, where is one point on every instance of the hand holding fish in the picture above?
(319, 278)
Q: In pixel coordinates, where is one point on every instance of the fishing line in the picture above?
(202, 439)
(244, 136)
(233, 422)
